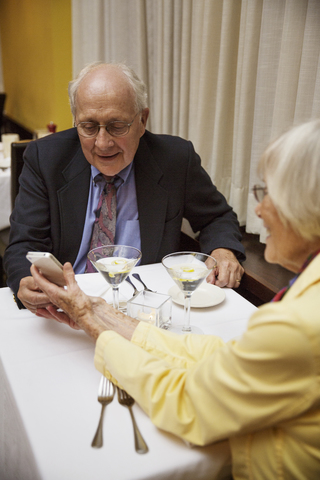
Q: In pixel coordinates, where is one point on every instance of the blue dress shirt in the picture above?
(127, 224)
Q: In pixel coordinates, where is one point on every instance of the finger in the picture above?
(30, 294)
(62, 317)
(52, 314)
(32, 301)
(43, 312)
(211, 278)
(57, 315)
(34, 307)
(234, 283)
(74, 325)
(228, 279)
(222, 280)
(236, 276)
(52, 291)
(222, 275)
(69, 275)
(237, 283)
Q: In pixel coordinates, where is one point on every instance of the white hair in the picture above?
(290, 167)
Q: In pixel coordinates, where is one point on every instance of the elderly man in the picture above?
(158, 181)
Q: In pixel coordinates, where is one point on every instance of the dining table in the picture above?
(5, 190)
(49, 410)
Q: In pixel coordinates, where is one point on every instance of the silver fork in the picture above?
(137, 277)
(126, 400)
(105, 396)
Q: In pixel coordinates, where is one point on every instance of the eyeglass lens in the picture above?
(116, 128)
(90, 129)
(259, 192)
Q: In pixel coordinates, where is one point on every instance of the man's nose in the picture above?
(104, 138)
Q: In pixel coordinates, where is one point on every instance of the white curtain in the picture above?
(229, 75)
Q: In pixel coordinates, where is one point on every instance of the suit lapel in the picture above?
(73, 199)
(152, 202)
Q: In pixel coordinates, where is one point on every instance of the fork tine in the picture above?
(105, 396)
(120, 394)
(102, 386)
(126, 400)
(106, 388)
(110, 389)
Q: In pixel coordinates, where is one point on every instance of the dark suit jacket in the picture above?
(50, 209)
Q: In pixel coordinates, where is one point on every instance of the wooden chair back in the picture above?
(17, 151)
(2, 102)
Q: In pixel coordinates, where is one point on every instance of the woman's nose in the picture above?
(258, 210)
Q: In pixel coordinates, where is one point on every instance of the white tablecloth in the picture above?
(5, 193)
(48, 399)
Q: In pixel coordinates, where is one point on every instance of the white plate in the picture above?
(207, 295)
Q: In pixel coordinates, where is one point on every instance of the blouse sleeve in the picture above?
(203, 390)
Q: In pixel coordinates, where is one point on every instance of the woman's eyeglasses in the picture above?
(259, 192)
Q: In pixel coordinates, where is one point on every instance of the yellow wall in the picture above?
(37, 61)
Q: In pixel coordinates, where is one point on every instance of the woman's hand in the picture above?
(78, 309)
(91, 314)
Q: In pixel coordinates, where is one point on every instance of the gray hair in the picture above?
(138, 86)
(291, 168)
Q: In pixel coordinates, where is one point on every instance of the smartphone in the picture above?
(48, 265)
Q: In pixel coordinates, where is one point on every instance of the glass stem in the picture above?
(187, 303)
(115, 290)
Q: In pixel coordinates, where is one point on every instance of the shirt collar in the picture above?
(123, 175)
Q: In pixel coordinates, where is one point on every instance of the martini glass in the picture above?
(114, 262)
(188, 270)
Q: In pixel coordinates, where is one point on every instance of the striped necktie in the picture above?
(104, 227)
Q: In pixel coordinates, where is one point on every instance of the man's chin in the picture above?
(109, 168)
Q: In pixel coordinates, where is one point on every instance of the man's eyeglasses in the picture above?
(116, 128)
(259, 192)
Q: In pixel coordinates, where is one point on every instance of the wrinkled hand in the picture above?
(52, 313)
(91, 314)
(31, 296)
(78, 309)
(228, 272)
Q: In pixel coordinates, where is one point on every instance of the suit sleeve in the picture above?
(30, 220)
(208, 211)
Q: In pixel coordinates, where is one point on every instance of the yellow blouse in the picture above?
(261, 391)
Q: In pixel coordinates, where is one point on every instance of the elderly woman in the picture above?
(262, 392)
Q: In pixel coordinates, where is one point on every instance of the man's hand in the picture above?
(38, 302)
(31, 296)
(79, 304)
(228, 272)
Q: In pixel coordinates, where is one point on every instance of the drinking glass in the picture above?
(188, 270)
(114, 262)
